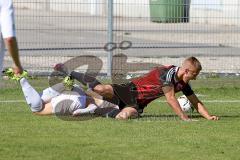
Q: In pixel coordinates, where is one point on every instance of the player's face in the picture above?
(190, 74)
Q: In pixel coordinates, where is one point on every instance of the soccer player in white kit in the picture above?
(8, 35)
(57, 100)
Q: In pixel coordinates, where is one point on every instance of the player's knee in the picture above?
(51, 92)
(103, 89)
(36, 106)
(124, 115)
(99, 89)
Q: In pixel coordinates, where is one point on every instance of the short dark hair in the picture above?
(194, 61)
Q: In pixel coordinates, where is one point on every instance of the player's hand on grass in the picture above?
(185, 118)
(213, 118)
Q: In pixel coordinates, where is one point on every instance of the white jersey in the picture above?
(7, 23)
(64, 101)
(67, 103)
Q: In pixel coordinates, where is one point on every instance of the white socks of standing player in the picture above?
(31, 95)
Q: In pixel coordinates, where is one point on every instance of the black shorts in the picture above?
(125, 95)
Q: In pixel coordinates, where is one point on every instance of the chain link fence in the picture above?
(158, 31)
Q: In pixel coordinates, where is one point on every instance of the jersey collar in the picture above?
(175, 75)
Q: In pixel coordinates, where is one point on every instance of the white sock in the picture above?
(31, 95)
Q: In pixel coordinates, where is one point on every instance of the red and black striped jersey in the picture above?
(149, 86)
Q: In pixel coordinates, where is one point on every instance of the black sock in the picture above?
(85, 79)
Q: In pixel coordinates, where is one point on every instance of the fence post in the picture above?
(47, 5)
(110, 37)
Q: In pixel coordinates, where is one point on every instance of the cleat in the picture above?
(20, 76)
(11, 75)
(68, 82)
(60, 67)
(8, 72)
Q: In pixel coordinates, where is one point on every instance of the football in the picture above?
(185, 104)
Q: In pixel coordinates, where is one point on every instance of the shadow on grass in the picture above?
(84, 117)
(100, 112)
(164, 117)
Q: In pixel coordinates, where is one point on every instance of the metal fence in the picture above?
(144, 33)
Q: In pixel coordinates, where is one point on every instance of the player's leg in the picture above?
(105, 91)
(127, 101)
(85, 79)
(2, 53)
(98, 100)
(102, 107)
(32, 97)
(47, 110)
(52, 92)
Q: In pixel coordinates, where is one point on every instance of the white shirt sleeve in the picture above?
(7, 19)
(88, 110)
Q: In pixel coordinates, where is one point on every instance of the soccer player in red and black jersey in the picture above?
(134, 96)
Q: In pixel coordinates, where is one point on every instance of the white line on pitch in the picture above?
(12, 101)
(214, 101)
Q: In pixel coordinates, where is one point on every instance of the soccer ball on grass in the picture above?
(185, 104)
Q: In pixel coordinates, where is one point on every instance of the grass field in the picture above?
(158, 135)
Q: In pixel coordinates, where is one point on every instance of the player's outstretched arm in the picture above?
(88, 110)
(174, 104)
(12, 47)
(199, 106)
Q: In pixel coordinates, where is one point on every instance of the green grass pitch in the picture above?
(158, 135)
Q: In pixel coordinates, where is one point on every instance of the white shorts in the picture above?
(68, 103)
(7, 19)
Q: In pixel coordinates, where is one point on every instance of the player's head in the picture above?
(191, 67)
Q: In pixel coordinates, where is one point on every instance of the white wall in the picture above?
(131, 8)
(70, 5)
(201, 11)
(30, 4)
(94, 7)
(215, 12)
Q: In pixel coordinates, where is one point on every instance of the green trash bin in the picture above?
(167, 11)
